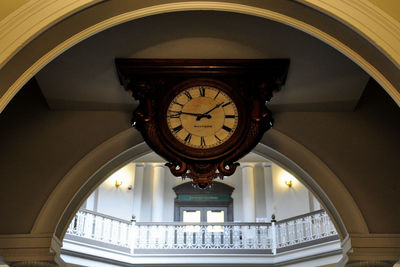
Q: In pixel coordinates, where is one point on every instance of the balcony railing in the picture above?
(177, 237)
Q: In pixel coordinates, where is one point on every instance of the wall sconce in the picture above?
(118, 183)
(289, 182)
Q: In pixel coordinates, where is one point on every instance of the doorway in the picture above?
(203, 214)
(213, 205)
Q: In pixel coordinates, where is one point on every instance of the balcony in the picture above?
(91, 233)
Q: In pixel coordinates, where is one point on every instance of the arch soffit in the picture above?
(91, 170)
(18, 31)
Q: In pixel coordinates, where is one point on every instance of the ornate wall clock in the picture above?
(202, 115)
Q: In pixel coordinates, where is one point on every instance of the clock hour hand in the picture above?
(206, 115)
(194, 114)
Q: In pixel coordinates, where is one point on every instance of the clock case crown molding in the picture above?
(249, 82)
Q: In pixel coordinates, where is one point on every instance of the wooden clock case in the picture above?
(249, 82)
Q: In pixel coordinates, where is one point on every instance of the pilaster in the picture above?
(158, 193)
(248, 192)
(138, 190)
(269, 190)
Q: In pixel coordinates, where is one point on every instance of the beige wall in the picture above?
(8, 6)
(391, 7)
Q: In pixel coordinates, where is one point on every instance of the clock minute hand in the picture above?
(194, 114)
(205, 115)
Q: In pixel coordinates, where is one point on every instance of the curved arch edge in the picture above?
(368, 20)
(201, 5)
(91, 170)
(308, 168)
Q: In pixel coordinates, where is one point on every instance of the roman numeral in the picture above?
(202, 91)
(177, 103)
(202, 141)
(226, 128)
(178, 128)
(215, 97)
(188, 138)
(174, 114)
(216, 137)
(187, 94)
(230, 116)
(224, 105)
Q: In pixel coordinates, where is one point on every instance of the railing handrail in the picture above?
(202, 224)
(105, 216)
(301, 216)
(178, 235)
(321, 211)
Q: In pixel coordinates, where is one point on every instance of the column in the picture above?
(158, 193)
(269, 190)
(248, 193)
(138, 190)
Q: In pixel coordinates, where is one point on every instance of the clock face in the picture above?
(202, 117)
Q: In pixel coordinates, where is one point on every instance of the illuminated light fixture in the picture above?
(118, 183)
(289, 183)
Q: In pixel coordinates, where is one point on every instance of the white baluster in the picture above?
(308, 228)
(263, 237)
(227, 236)
(198, 239)
(133, 237)
(161, 236)
(208, 238)
(122, 238)
(170, 236)
(80, 230)
(291, 233)
(88, 226)
(236, 236)
(180, 237)
(217, 238)
(273, 238)
(98, 228)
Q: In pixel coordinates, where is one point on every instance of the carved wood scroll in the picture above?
(249, 82)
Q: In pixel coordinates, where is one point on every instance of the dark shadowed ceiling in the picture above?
(319, 79)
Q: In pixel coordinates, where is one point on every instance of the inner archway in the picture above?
(159, 209)
(126, 141)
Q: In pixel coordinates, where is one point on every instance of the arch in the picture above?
(388, 29)
(91, 170)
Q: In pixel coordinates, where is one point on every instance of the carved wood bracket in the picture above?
(250, 82)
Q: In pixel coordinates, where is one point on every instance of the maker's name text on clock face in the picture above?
(202, 117)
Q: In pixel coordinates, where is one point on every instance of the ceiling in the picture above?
(319, 79)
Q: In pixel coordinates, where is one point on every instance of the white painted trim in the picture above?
(79, 253)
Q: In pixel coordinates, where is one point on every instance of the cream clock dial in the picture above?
(202, 117)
